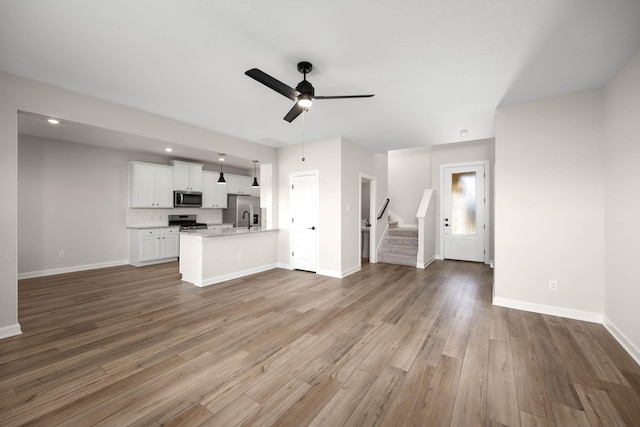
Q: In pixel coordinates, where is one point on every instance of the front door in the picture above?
(304, 221)
(463, 221)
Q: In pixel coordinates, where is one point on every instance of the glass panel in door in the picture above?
(463, 204)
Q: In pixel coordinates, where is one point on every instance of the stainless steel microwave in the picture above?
(187, 199)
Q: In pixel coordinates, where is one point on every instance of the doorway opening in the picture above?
(368, 221)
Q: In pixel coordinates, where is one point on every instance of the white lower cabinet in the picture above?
(153, 245)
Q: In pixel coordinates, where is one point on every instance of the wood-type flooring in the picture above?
(389, 345)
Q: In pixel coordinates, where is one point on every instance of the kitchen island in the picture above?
(208, 257)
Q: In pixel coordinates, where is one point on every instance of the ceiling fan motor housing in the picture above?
(306, 88)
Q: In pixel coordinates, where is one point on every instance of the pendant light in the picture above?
(221, 180)
(255, 175)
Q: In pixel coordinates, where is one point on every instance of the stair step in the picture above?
(403, 232)
(401, 241)
(399, 250)
(397, 259)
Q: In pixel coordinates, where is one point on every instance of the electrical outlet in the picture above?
(553, 285)
(239, 255)
(61, 254)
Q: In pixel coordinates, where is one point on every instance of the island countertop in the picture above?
(227, 232)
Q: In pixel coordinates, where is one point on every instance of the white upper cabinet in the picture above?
(214, 195)
(238, 184)
(186, 176)
(150, 186)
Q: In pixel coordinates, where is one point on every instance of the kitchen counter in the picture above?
(227, 232)
(213, 256)
(146, 227)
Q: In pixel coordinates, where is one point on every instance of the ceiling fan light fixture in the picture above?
(304, 100)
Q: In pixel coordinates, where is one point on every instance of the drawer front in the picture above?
(150, 232)
(170, 230)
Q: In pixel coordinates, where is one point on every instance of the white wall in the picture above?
(355, 161)
(324, 157)
(339, 164)
(409, 176)
(18, 94)
(549, 206)
(622, 204)
(460, 152)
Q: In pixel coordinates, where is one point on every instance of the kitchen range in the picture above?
(186, 222)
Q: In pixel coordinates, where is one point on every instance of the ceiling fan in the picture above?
(302, 94)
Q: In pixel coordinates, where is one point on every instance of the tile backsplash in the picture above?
(160, 217)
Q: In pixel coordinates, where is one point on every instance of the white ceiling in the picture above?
(436, 66)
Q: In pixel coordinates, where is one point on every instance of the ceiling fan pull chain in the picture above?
(303, 128)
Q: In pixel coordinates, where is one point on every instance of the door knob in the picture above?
(311, 228)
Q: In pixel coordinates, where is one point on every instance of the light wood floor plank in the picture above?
(502, 397)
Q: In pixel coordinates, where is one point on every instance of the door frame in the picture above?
(373, 205)
(487, 204)
(293, 175)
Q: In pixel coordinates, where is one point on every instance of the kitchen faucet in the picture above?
(249, 222)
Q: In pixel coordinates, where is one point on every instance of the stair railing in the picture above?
(384, 208)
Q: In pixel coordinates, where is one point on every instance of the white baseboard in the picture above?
(330, 273)
(426, 264)
(351, 270)
(284, 266)
(72, 269)
(10, 331)
(570, 313)
(154, 262)
(223, 278)
(625, 342)
(439, 257)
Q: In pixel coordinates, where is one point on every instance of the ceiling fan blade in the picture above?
(272, 83)
(342, 96)
(295, 111)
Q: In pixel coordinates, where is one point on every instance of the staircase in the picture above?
(399, 246)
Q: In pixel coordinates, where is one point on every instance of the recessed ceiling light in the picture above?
(464, 132)
(53, 121)
(168, 149)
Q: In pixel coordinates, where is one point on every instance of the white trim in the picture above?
(284, 266)
(487, 204)
(426, 264)
(439, 257)
(350, 271)
(570, 313)
(76, 268)
(10, 331)
(235, 275)
(386, 228)
(330, 273)
(625, 342)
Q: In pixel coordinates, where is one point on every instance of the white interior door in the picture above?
(304, 222)
(463, 220)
